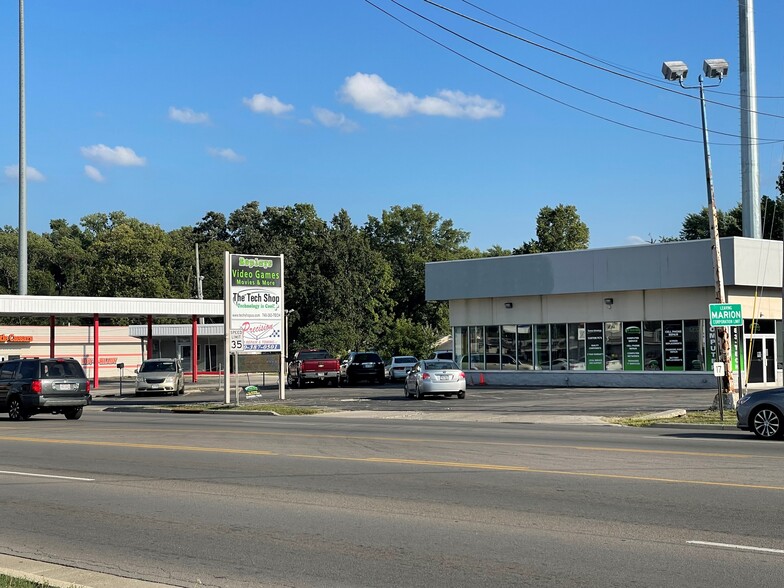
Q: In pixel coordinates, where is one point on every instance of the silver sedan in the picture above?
(435, 376)
(762, 413)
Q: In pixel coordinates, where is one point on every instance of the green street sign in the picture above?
(725, 315)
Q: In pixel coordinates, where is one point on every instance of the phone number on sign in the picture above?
(262, 347)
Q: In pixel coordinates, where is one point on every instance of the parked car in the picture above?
(362, 365)
(762, 412)
(399, 366)
(160, 375)
(52, 385)
(435, 376)
(312, 365)
(442, 355)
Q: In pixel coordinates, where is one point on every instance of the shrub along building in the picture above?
(626, 316)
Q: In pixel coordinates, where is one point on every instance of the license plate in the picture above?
(443, 377)
(368, 365)
(66, 386)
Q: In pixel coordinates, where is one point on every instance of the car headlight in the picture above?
(744, 399)
(170, 380)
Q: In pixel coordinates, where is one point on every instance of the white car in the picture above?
(435, 376)
(160, 375)
(399, 366)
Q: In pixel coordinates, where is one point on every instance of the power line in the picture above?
(584, 62)
(589, 56)
(561, 102)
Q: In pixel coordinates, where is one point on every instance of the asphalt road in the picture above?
(234, 500)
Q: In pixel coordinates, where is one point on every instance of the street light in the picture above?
(712, 68)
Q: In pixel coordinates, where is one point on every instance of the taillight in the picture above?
(425, 376)
(88, 386)
(36, 386)
(461, 376)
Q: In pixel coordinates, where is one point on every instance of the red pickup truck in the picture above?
(312, 365)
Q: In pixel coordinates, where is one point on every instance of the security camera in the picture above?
(675, 71)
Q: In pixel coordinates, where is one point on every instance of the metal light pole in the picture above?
(713, 68)
(22, 163)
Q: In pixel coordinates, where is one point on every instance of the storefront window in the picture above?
(558, 357)
(652, 345)
(613, 346)
(576, 346)
(542, 347)
(509, 347)
(673, 346)
(632, 346)
(460, 339)
(525, 347)
(594, 346)
(476, 349)
(692, 346)
(492, 348)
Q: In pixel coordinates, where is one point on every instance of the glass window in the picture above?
(558, 359)
(576, 346)
(492, 348)
(652, 345)
(673, 346)
(632, 346)
(613, 346)
(460, 338)
(509, 347)
(29, 369)
(476, 349)
(692, 345)
(9, 370)
(594, 346)
(525, 347)
(542, 347)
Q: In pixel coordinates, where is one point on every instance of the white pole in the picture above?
(22, 162)
(227, 325)
(284, 325)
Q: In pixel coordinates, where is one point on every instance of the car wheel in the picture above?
(766, 423)
(349, 381)
(15, 410)
(419, 393)
(461, 394)
(300, 382)
(182, 389)
(73, 414)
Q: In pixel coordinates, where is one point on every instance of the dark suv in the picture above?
(362, 365)
(54, 386)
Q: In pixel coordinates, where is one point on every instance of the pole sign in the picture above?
(256, 303)
(725, 315)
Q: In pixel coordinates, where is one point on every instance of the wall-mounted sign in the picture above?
(15, 338)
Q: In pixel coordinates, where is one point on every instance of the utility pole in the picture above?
(749, 153)
(22, 162)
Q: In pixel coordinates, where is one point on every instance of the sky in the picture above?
(170, 109)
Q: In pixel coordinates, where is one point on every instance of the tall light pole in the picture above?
(22, 163)
(712, 68)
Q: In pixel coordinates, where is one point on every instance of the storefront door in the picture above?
(762, 359)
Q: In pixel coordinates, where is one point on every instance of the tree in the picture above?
(696, 225)
(405, 337)
(557, 229)
(408, 237)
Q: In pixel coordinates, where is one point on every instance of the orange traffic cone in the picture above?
(482, 379)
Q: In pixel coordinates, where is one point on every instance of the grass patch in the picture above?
(694, 417)
(278, 408)
(10, 582)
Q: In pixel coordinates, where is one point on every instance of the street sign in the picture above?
(725, 315)
(718, 370)
(236, 340)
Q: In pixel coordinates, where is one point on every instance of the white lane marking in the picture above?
(47, 476)
(731, 546)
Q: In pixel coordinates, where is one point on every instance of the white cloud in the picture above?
(370, 93)
(226, 153)
(188, 116)
(635, 240)
(267, 105)
(123, 156)
(32, 174)
(93, 173)
(334, 120)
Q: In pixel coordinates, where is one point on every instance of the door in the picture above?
(761, 353)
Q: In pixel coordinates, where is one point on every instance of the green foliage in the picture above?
(696, 225)
(557, 229)
(406, 337)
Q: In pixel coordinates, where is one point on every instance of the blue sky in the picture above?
(168, 109)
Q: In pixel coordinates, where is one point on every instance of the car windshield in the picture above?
(366, 357)
(61, 369)
(439, 364)
(158, 366)
(405, 360)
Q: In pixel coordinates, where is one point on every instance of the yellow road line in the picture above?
(384, 460)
